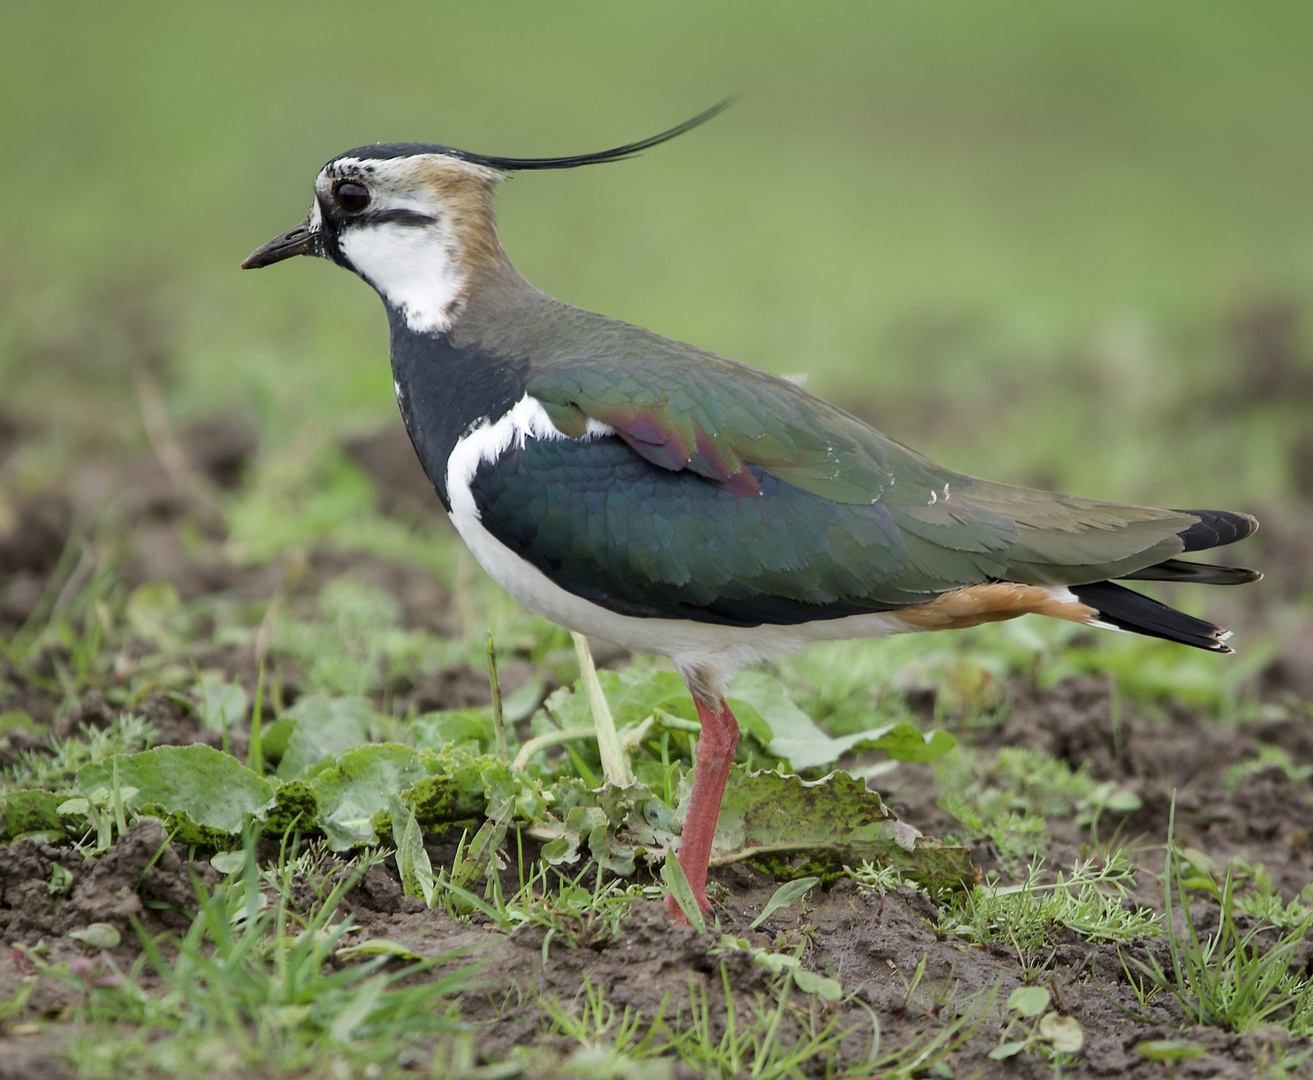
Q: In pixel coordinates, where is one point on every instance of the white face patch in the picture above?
(417, 270)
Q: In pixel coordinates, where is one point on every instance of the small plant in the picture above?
(1010, 798)
(11, 1008)
(1091, 900)
(880, 880)
(753, 1045)
(784, 896)
(1228, 979)
(104, 809)
(1267, 757)
(127, 733)
(1061, 1037)
(596, 1024)
(1171, 1052)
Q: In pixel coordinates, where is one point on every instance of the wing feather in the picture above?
(688, 411)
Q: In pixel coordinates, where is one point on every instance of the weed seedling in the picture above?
(1089, 900)
(1060, 1036)
(1226, 979)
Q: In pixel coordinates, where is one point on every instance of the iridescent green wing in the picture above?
(684, 409)
(681, 408)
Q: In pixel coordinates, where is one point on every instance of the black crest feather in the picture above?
(509, 164)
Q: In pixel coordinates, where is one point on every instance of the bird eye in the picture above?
(351, 197)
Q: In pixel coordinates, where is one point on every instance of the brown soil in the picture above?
(873, 944)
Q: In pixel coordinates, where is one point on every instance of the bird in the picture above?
(659, 496)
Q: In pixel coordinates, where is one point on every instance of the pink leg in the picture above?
(715, 754)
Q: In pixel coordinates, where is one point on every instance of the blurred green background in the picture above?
(1058, 243)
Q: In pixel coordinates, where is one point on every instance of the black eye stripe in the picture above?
(402, 217)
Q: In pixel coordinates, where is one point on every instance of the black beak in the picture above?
(298, 241)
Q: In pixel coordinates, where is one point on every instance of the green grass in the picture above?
(255, 984)
(1232, 978)
(1093, 898)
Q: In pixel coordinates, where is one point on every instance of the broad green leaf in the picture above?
(774, 962)
(521, 704)
(228, 862)
(785, 895)
(223, 704)
(673, 875)
(834, 819)
(322, 727)
(16, 719)
(148, 611)
(295, 807)
(1202, 862)
(795, 737)
(811, 983)
(30, 811)
(273, 738)
(1064, 1033)
(1006, 1050)
(633, 694)
(903, 742)
(203, 795)
(1169, 1050)
(1029, 1000)
(98, 935)
(1123, 801)
(766, 712)
(413, 865)
(357, 786)
(467, 728)
(454, 787)
(376, 947)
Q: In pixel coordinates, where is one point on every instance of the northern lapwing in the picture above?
(672, 501)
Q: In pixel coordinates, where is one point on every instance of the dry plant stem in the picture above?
(169, 452)
(615, 762)
(498, 724)
(715, 755)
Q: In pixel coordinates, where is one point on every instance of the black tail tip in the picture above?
(1126, 609)
(1216, 528)
(1183, 570)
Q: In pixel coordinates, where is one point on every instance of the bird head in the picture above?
(416, 221)
(413, 220)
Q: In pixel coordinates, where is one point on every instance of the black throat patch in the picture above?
(446, 390)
